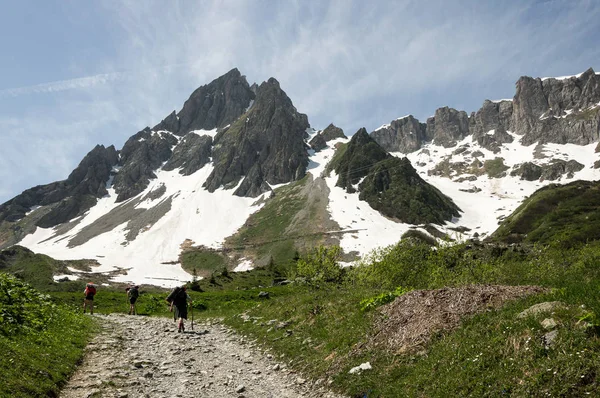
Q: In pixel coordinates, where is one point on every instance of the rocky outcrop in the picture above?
(192, 153)
(264, 146)
(489, 124)
(318, 142)
(561, 111)
(361, 154)
(448, 126)
(331, 132)
(402, 135)
(564, 110)
(88, 181)
(394, 188)
(557, 168)
(527, 171)
(141, 155)
(214, 105)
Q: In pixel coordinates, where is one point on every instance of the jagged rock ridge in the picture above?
(549, 110)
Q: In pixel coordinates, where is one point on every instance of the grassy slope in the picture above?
(274, 233)
(39, 355)
(567, 213)
(492, 354)
(37, 269)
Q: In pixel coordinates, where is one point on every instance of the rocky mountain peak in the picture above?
(214, 105)
(264, 146)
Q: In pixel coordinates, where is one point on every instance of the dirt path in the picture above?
(146, 357)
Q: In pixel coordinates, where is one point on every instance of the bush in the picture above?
(403, 264)
(321, 266)
(22, 308)
(384, 298)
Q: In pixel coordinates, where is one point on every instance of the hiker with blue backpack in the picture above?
(179, 298)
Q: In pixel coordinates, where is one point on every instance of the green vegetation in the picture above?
(321, 266)
(395, 189)
(336, 158)
(264, 233)
(356, 159)
(203, 260)
(38, 269)
(567, 215)
(41, 342)
(324, 331)
(495, 168)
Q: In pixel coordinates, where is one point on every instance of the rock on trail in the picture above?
(146, 357)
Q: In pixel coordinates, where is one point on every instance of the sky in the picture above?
(76, 74)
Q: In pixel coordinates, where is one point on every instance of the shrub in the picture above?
(384, 298)
(22, 308)
(321, 266)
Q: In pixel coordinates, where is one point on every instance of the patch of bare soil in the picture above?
(408, 322)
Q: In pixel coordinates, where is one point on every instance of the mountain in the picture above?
(238, 178)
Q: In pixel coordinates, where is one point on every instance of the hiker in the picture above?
(89, 293)
(133, 293)
(179, 298)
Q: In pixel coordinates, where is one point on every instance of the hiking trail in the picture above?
(135, 356)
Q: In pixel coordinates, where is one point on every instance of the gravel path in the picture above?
(146, 357)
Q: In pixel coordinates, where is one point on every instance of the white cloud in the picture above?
(352, 63)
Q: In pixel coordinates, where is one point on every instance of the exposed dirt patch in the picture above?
(409, 321)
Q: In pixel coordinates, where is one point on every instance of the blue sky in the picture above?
(76, 74)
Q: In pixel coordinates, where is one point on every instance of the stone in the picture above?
(264, 295)
(240, 389)
(548, 324)
(546, 307)
(360, 368)
(549, 339)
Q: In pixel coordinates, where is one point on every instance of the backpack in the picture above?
(90, 289)
(133, 293)
(178, 296)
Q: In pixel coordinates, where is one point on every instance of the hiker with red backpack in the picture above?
(89, 293)
(179, 298)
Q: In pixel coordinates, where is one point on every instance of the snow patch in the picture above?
(210, 133)
(244, 265)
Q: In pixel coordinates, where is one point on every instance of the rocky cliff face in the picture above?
(86, 183)
(214, 105)
(565, 110)
(264, 146)
(402, 135)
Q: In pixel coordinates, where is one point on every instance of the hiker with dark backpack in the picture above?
(89, 293)
(179, 298)
(132, 295)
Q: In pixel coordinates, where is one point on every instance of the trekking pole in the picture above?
(192, 305)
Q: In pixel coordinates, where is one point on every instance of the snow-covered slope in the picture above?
(195, 215)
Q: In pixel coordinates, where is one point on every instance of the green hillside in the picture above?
(564, 214)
